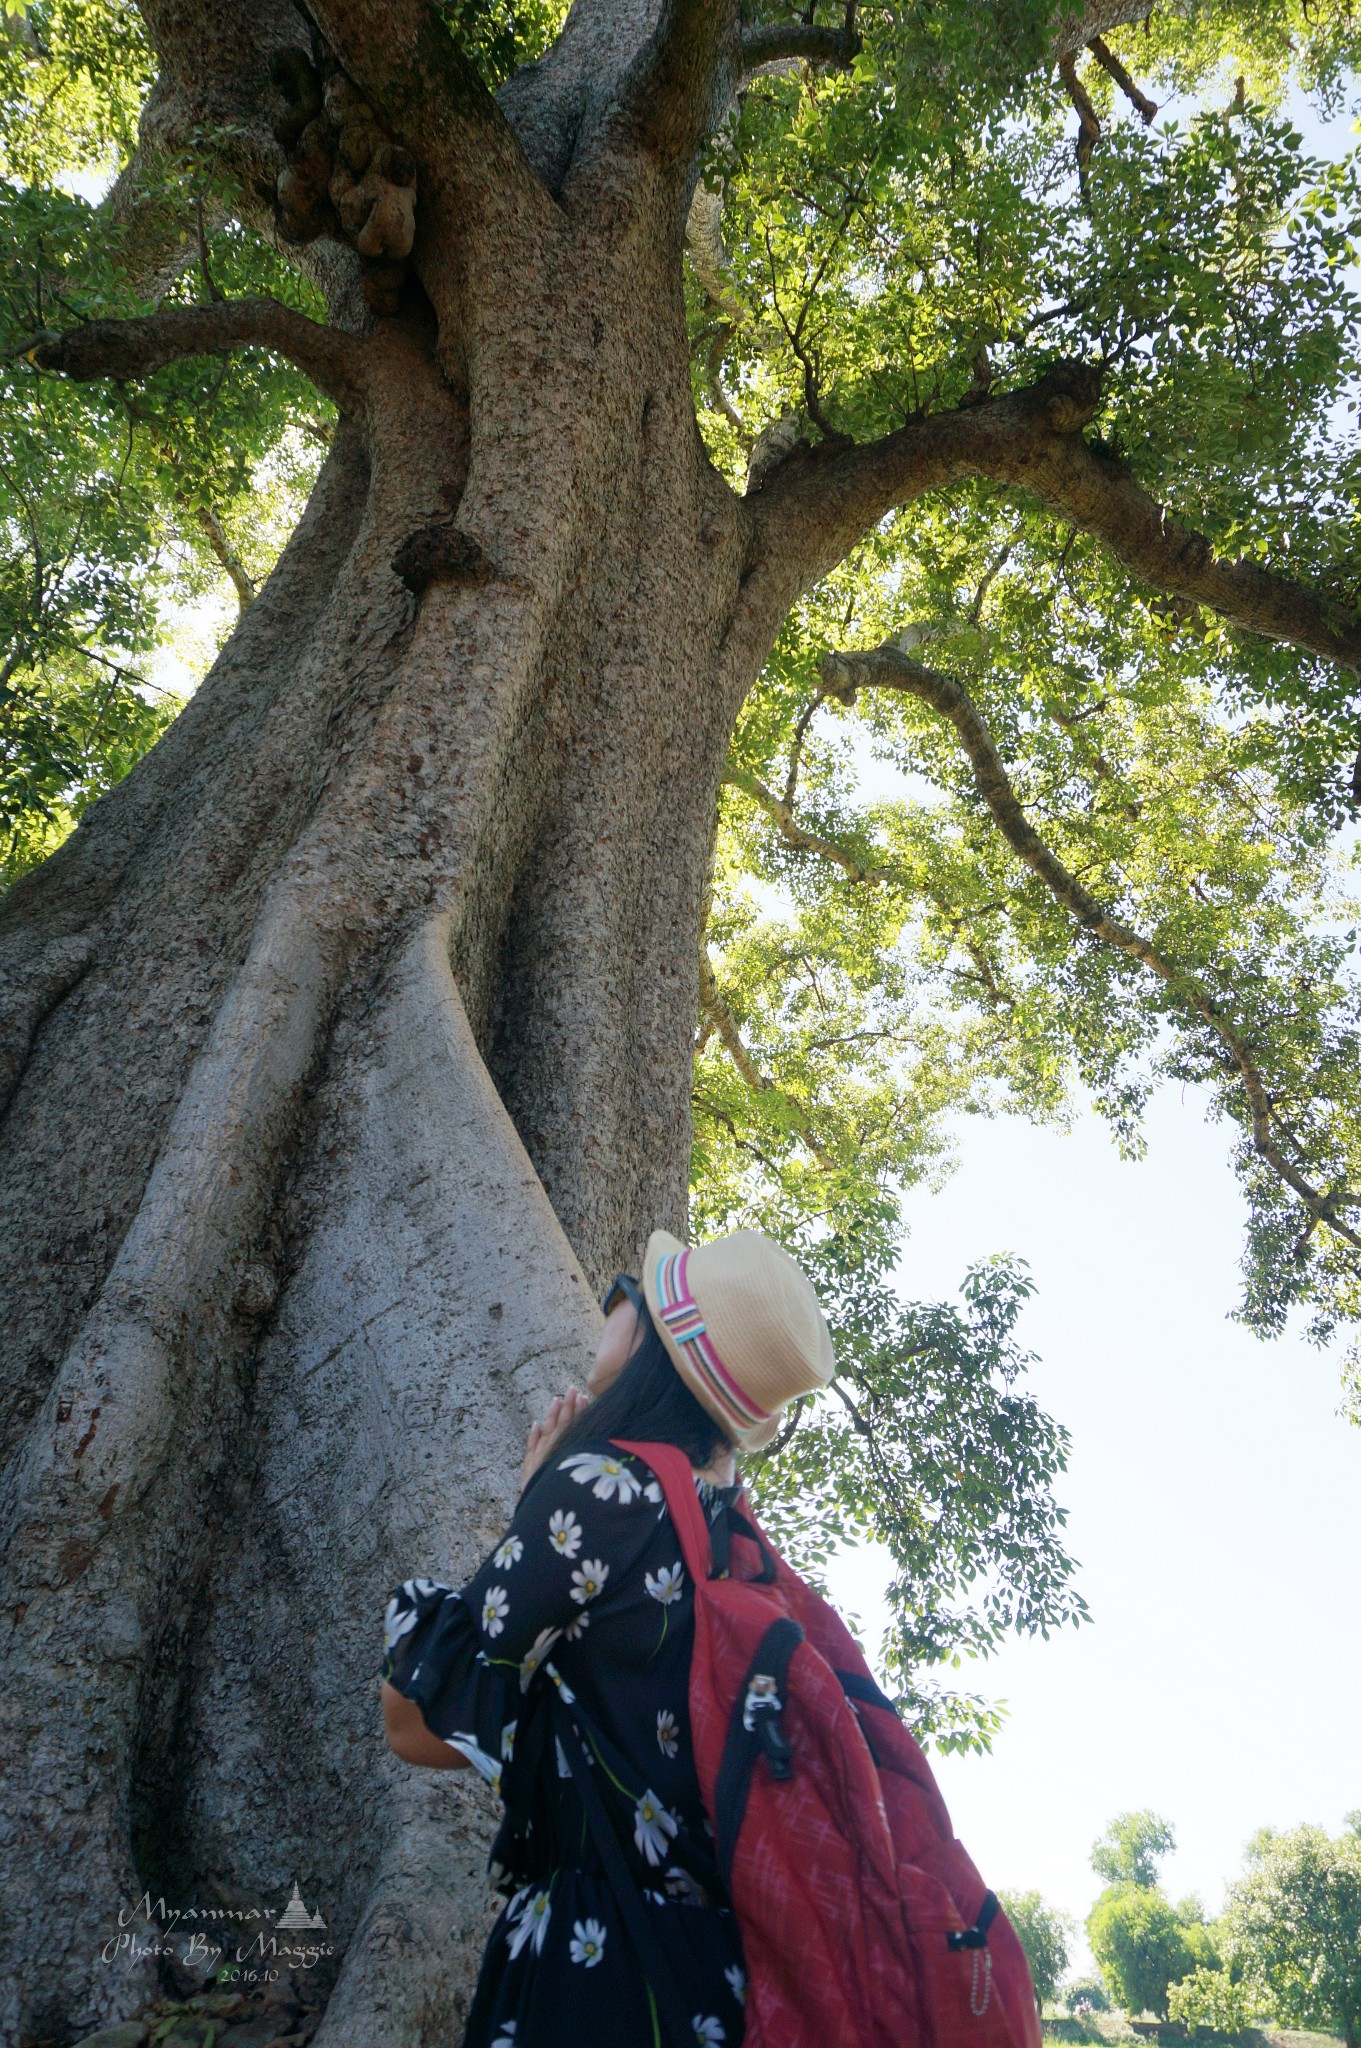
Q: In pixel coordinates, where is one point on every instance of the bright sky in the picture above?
(1215, 1503)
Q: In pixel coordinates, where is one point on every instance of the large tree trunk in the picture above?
(349, 1042)
(345, 1048)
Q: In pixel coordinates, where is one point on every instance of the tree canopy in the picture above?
(1049, 785)
(1044, 1933)
(1132, 1848)
(1142, 1942)
(1290, 1939)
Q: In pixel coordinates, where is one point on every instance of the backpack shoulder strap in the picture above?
(677, 1480)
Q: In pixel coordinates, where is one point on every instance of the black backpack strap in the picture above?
(754, 1729)
(864, 1689)
(673, 2013)
(720, 1540)
(977, 1935)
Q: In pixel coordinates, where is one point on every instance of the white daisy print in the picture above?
(564, 1532)
(737, 1981)
(578, 1627)
(708, 2033)
(535, 1654)
(653, 1492)
(508, 1553)
(667, 1584)
(653, 1827)
(495, 1608)
(537, 1915)
(531, 1924)
(397, 1622)
(506, 2037)
(589, 1579)
(508, 1741)
(668, 1734)
(588, 1942)
(485, 1766)
(608, 1478)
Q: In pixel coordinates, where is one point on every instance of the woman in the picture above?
(705, 1356)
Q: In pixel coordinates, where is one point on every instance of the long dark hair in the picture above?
(649, 1403)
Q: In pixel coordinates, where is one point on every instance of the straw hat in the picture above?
(742, 1325)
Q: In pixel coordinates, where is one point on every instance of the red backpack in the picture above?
(864, 1924)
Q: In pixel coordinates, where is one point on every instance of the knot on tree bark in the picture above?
(439, 554)
(343, 175)
(1068, 395)
(838, 677)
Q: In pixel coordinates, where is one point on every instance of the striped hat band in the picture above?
(680, 1312)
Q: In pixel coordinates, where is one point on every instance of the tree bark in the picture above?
(348, 1051)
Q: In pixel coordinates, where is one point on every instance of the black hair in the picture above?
(648, 1403)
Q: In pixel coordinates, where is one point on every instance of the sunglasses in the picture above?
(623, 1287)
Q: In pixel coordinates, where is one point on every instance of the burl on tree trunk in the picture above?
(347, 1043)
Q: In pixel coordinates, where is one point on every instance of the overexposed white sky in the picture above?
(1215, 1507)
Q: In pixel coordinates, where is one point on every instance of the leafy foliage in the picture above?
(1044, 1933)
(103, 495)
(1143, 1945)
(927, 1444)
(1212, 2000)
(909, 234)
(1290, 1936)
(1085, 1994)
(893, 252)
(1132, 1848)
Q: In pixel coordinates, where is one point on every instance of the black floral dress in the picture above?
(587, 1597)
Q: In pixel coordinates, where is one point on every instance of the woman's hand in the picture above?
(545, 1436)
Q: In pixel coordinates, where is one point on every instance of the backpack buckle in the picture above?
(779, 1756)
(761, 1713)
(977, 1935)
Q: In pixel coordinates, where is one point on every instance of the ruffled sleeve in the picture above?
(432, 1654)
(467, 1658)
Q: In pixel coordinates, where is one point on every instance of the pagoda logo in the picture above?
(295, 1913)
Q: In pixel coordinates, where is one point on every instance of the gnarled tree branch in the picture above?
(128, 349)
(474, 171)
(1089, 122)
(811, 507)
(887, 667)
(814, 507)
(781, 814)
(215, 534)
(805, 41)
(1111, 64)
(681, 81)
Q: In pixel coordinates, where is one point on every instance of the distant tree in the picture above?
(1044, 1933)
(1086, 1993)
(1143, 1944)
(1215, 2001)
(1291, 1932)
(1132, 1848)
